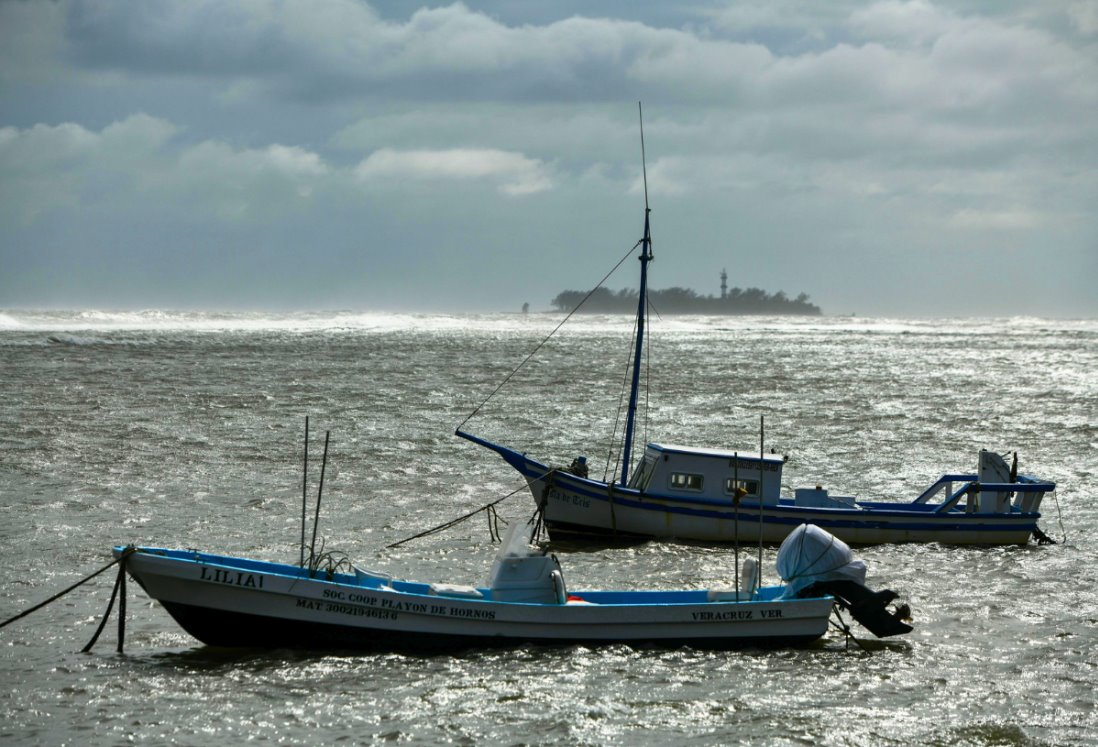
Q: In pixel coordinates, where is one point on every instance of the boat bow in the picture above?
(526, 466)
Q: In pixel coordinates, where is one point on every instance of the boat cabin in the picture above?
(708, 473)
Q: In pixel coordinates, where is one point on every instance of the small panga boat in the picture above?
(239, 602)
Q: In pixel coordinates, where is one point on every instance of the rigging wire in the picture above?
(541, 344)
(648, 364)
(613, 449)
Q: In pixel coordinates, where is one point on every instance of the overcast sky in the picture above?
(886, 158)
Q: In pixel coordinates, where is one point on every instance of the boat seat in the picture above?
(372, 579)
(455, 590)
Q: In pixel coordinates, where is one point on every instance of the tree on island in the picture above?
(686, 301)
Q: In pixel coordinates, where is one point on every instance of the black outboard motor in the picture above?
(814, 563)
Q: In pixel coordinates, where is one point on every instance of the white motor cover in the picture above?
(516, 543)
(524, 573)
(810, 554)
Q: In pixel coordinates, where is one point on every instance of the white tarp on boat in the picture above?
(810, 554)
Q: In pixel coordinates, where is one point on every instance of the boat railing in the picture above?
(945, 482)
(1029, 493)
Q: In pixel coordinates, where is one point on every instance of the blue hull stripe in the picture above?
(912, 517)
(791, 516)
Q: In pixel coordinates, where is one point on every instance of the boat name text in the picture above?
(233, 578)
(390, 607)
(573, 498)
(716, 616)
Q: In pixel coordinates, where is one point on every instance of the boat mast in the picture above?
(642, 308)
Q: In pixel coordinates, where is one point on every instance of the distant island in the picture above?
(731, 301)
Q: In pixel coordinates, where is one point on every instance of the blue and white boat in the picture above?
(713, 495)
(238, 602)
(728, 495)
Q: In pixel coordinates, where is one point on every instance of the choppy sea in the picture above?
(186, 430)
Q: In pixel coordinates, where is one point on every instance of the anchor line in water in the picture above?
(488, 507)
(120, 559)
(1044, 539)
(119, 592)
(845, 628)
(538, 522)
(493, 524)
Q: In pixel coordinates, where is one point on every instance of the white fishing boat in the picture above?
(713, 495)
(227, 601)
(725, 495)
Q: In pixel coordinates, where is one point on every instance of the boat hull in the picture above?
(225, 601)
(576, 509)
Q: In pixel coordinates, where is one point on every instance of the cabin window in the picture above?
(686, 481)
(751, 486)
(643, 475)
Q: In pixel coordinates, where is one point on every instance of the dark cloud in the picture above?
(874, 155)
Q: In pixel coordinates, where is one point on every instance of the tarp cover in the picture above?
(810, 554)
(516, 543)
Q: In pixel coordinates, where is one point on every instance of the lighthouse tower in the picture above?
(724, 284)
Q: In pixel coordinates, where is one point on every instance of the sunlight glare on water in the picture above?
(185, 430)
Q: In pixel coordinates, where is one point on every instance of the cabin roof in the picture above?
(721, 453)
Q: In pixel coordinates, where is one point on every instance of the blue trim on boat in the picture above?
(877, 515)
(607, 597)
(796, 515)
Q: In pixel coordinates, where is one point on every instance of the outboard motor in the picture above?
(814, 562)
(524, 573)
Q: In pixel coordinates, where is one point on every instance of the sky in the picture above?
(927, 159)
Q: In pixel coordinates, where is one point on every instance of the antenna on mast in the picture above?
(644, 164)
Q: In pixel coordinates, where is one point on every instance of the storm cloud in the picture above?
(890, 158)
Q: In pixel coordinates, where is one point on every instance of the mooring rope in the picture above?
(489, 507)
(1060, 519)
(119, 585)
(493, 524)
(125, 554)
(841, 625)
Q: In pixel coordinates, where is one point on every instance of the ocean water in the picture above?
(186, 430)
